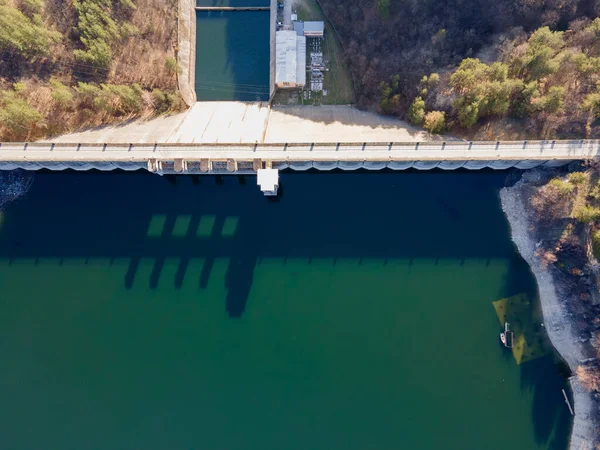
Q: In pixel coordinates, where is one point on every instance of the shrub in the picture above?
(171, 65)
(165, 101)
(577, 178)
(17, 115)
(435, 122)
(383, 8)
(587, 214)
(23, 35)
(61, 94)
(87, 95)
(31, 7)
(596, 243)
(97, 31)
(416, 112)
(561, 186)
(118, 99)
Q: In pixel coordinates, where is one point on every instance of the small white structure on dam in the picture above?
(268, 180)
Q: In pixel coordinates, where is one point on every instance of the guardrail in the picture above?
(340, 151)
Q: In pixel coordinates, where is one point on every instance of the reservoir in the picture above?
(356, 313)
(232, 53)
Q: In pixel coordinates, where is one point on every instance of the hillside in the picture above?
(70, 64)
(400, 41)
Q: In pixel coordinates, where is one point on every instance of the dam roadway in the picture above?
(248, 158)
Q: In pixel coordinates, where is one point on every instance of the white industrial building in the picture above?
(290, 59)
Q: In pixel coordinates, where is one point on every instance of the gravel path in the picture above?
(556, 318)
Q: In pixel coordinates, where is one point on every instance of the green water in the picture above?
(233, 55)
(356, 313)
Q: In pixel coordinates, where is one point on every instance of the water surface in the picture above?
(356, 313)
(233, 55)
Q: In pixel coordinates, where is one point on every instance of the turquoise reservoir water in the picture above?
(356, 313)
(232, 55)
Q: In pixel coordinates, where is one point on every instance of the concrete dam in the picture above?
(253, 158)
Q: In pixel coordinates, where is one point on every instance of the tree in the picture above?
(587, 214)
(468, 76)
(17, 115)
(171, 66)
(468, 111)
(22, 35)
(540, 58)
(553, 102)
(97, 31)
(61, 94)
(383, 8)
(416, 112)
(435, 122)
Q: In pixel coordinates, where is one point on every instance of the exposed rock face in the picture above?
(561, 324)
(14, 184)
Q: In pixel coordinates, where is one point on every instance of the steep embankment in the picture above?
(558, 321)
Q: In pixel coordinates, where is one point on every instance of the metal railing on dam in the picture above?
(248, 158)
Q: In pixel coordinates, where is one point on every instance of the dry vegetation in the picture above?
(69, 64)
(567, 222)
(390, 45)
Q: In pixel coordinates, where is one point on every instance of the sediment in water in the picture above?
(558, 321)
(13, 185)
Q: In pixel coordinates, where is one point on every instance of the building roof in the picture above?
(268, 179)
(300, 60)
(314, 27)
(299, 28)
(290, 58)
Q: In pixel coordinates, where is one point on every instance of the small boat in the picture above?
(507, 336)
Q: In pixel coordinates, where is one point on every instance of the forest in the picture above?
(391, 45)
(65, 65)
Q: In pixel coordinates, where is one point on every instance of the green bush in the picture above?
(61, 94)
(561, 186)
(23, 35)
(587, 214)
(171, 65)
(17, 115)
(577, 178)
(383, 8)
(97, 30)
(165, 101)
(596, 243)
(87, 95)
(435, 122)
(31, 7)
(416, 112)
(118, 99)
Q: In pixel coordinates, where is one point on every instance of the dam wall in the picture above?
(248, 158)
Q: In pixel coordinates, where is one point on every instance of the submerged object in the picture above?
(507, 336)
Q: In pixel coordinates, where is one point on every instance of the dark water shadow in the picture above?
(238, 281)
(549, 411)
(323, 215)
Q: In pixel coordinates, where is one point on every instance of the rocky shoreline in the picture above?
(559, 322)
